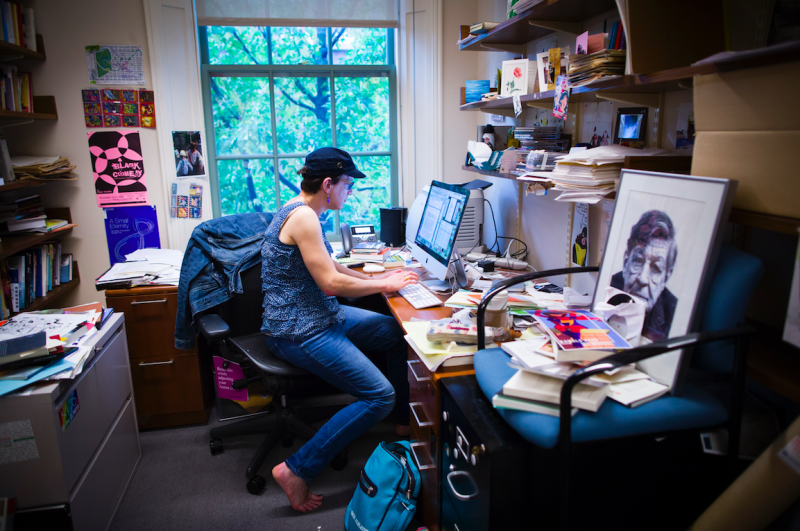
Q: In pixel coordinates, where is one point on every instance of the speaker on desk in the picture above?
(393, 226)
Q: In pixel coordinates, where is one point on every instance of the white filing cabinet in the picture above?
(85, 445)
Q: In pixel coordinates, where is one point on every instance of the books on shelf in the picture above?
(28, 275)
(18, 25)
(482, 27)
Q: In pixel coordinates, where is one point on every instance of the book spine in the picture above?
(14, 24)
(20, 27)
(13, 286)
(4, 21)
(30, 30)
(8, 173)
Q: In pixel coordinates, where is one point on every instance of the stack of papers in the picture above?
(145, 267)
(588, 176)
(589, 68)
(466, 299)
(43, 168)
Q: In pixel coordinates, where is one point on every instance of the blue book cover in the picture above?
(64, 273)
(22, 344)
(5, 22)
(39, 273)
(129, 229)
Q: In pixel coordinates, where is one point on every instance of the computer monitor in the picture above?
(435, 242)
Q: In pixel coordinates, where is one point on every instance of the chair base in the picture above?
(280, 424)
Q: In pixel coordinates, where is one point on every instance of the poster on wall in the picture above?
(597, 119)
(188, 151)
(114, 65)
(129, 229)
(580, 234)
(118, 169)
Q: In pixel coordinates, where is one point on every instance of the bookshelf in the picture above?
(12, 52)
(16, 185)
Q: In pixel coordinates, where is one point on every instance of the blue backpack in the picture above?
(386, 495)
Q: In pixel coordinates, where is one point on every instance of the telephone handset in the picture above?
(347, 239)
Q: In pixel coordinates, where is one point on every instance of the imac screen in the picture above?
(441, 219)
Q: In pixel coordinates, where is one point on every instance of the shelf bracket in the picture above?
(503, 112)
(540, 104)
(567, 27)
(516, 49)
(632, 98)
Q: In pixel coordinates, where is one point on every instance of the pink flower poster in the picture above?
(118, 169)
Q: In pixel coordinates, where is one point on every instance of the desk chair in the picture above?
(722, 348)
(234, 328)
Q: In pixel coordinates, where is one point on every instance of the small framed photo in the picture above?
(112, 120)
(661, 250)
(129, 96)
(110, 95)
(631, 125)
(130, 121)
(90, 95)
(514, 81)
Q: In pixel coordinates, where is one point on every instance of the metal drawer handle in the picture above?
(453, 489)
(417, 378)
(134, 303)
(416, 459)
(420, 424)
(170, 362)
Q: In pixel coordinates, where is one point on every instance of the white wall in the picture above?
(66, 28)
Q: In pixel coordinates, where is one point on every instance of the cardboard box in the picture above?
(748, 130)
(765, 164)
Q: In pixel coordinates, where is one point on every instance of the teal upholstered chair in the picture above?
(721, 348)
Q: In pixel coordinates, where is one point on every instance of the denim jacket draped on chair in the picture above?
(218, 251)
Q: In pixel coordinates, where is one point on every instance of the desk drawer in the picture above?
(423, 394)
(150, 320)
(164, 385)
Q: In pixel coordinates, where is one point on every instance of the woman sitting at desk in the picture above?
(307, 327)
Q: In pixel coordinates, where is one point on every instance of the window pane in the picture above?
(302, 110)
(362, 113)
(363, 207)
(245, 45)
(359, 46)
(246, 186)
(295, 46)
(242, 118)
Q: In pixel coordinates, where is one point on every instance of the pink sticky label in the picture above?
(225, 378)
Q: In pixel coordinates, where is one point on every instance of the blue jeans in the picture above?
(335, 355)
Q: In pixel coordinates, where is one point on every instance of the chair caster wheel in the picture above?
(287, 442)
(256, 485)
(339, 462)
(216, 446)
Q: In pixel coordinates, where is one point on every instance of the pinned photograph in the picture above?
(580, 234)
(188, 152)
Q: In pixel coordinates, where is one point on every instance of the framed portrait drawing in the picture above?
(662, 246)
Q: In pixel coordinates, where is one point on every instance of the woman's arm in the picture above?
(304, 230)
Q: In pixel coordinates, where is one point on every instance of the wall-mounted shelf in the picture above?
(12, 52)
(519, 30)
(44, 109)
(665, 81)
(16, 185)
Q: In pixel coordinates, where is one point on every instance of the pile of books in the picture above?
(524, 5)
(370, 252)
(21, 208)
(586, 69)
(571, 339)
(31, 274)
(42, 168)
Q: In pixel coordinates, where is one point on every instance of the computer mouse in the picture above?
(374, 268)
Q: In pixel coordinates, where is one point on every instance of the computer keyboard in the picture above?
(419, 297)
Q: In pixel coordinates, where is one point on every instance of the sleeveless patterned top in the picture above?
(294, 306)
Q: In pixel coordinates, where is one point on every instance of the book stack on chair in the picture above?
(370, 252)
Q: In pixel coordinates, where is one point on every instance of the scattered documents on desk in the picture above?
(467, 299)
(435, 355)
(60, 340)
(144, 267)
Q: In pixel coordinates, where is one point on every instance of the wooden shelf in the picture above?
(44, 109)
(518, 31)
(12, 52)
(16, 185)
(11, 245)
(656, 83)
(40, 303)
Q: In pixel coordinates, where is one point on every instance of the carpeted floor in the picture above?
(179, 485)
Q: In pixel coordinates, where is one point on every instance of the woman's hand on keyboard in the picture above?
(398, 280)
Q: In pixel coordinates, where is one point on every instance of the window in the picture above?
(272, 95)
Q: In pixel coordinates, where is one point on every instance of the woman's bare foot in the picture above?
(402, 431)
(296, 489)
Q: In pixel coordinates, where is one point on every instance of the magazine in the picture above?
(579, 335)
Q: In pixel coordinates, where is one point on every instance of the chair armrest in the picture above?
(503, 284)
(626, 357)
(213, 328)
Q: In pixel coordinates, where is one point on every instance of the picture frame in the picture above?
(514, 79)
(662, 246)
(631, 125)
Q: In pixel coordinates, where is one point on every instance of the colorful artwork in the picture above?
(92, 108)
(561, 100)
(93, 120)
(110, 95)
(148, 121)
(117, 166)
(148, 109)
(68, 411)
(580, 234)
(130, 121)
(130, 108)
(146, 95)
(115, 64)
(112, 107)
(129, 95)
(90, 95)
(112, 120)
(129, 229)
(579, 330)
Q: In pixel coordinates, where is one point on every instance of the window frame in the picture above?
(207, 71)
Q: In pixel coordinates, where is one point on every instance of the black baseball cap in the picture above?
(331, 162)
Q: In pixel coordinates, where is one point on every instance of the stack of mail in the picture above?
(43, 168)
(144, 267)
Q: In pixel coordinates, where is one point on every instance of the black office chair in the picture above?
(233, 328)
